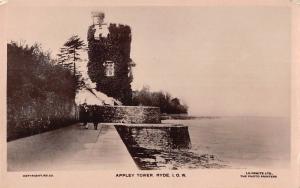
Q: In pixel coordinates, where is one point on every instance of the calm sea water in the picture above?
(242, 142)
(227, 142)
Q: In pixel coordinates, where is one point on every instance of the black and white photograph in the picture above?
(148, 88)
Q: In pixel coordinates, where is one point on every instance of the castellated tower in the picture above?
(109, 58)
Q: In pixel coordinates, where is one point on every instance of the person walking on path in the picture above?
(94, 117)
(84, 115)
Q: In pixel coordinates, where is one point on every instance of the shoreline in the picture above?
(184, 117)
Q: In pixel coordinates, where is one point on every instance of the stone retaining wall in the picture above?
(157, 146)
(40, 117)
(125, 114)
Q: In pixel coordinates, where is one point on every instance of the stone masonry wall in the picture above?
(125, 114)
(36, 118)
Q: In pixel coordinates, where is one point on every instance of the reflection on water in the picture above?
(155, 147)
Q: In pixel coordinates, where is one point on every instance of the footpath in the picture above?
(70, 148)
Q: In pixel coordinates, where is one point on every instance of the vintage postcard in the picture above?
(164, 94)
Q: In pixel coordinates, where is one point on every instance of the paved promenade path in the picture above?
(70, 148)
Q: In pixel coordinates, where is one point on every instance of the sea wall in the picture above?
(156, 146)
(125, 114)
(157, 136)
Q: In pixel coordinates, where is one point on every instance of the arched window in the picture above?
(109, 68)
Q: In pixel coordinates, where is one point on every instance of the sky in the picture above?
(229, 61)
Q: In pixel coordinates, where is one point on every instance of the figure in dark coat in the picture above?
(84, 115)
(95, 118)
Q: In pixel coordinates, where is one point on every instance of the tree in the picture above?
(62, 57)
(39, 92)
(161, 99)
(69, 55)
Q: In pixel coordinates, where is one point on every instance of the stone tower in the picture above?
(109, 58)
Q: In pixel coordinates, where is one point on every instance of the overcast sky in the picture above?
(219, 60)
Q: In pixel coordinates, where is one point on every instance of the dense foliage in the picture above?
(69, 56)
(115, 48)
(164, 100)
(39, 92)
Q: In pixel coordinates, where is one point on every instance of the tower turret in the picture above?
(109, 58)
